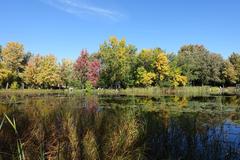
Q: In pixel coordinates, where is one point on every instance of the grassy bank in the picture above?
(23, 92)
(156, 91)
(151, 91)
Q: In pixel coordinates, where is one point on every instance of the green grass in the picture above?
(149, 91)
(28, 91)
(156, 91)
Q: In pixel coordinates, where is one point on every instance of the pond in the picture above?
(120, 127)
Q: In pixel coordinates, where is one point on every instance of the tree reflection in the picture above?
(91, 127)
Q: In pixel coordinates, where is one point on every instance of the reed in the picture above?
(90, 146)
(20, 151)
(157, 91)
(121, 140)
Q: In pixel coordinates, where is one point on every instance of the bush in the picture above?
(165, 84)
(89, 87)
(14, 85)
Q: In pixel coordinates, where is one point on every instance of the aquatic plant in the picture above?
(20, 152)
(90, 149)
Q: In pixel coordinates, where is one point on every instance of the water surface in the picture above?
(121, 127)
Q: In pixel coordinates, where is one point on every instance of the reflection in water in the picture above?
(91, 127)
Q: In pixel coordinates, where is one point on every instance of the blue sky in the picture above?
(64, 27)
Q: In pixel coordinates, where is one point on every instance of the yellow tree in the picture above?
(162, 66)
(146, 58)
(42, 71)
(32, 70)
(4, 73)
(145, 78)
(229, 73)
(49, 72)
(176, 78)
(12, 56)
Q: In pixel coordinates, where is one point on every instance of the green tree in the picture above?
(235, 60)
(215, 65)
(229, 75)
(66, 73)
(26, 58)
(147, 58)
(176, 77)
(172, 57)
(193, 61)
(115, 57)
(133, 69)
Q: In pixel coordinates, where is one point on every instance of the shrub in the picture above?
(14, 85)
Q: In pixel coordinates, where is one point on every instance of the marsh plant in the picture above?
(110, 128)
(19, 154)
(72, 133)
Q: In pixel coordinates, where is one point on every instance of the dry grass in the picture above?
(90, 150)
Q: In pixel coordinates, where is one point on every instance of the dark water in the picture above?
(119, 127)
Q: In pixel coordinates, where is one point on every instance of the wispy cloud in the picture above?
(77, 7)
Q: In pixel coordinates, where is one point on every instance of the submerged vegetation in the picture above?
(118, 65)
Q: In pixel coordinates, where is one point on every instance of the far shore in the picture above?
(150, 91)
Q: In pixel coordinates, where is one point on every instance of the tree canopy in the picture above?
(118, 64)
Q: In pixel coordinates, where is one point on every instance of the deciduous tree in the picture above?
(42, 71)
(145, 78)
(176, 78)
(162, 66)
(235, 60)
(116, 62)
(87, 69)
(49, 74)
(4, 73)
(146, 59)
(193, 61)
(12, 56)
(215, 65)
(228, 73)
(66, 73)
(30, 75)
(93, 72)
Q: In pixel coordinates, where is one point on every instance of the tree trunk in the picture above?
(7, 85)
(22, 87)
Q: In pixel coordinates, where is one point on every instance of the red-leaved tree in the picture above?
(93, 72)
(86, 70)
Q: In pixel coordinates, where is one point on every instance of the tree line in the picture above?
(118, 65)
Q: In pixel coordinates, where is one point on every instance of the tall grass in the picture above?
(70, 129)
(12, 122)
(156, 91)
(148, 91)
(90, 146)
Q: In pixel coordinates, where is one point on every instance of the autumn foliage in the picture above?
(117, 64)
(86, 69)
